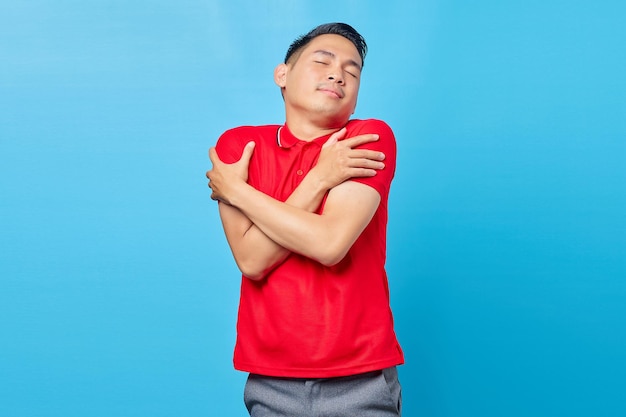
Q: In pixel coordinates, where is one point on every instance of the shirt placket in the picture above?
(304, 163)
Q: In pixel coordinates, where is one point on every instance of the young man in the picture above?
(304, 209)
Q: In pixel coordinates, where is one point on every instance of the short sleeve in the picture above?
(230, 146)
(386, 143)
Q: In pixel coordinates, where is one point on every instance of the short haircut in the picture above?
(341, 29)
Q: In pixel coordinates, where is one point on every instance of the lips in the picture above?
(332, 91)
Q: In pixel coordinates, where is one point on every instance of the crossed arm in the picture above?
(262, 231)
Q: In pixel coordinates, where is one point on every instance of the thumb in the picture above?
(247, 153)
(334, 138)
(213, 155)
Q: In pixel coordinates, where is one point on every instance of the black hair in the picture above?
(341, 29)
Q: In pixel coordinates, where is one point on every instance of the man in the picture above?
(304, 210)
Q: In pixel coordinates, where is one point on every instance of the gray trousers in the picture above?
(373, 394)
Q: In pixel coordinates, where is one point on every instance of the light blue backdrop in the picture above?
(507, 247)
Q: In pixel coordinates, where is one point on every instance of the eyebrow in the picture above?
(332, 55)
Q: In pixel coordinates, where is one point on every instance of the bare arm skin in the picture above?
(325, 237)
(255, 252)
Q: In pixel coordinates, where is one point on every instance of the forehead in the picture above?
(336, 44)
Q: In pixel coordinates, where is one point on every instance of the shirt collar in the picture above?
(286, 139)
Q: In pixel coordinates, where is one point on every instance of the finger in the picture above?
(366, 163)
(215, 197)
(362, 172)
(361, 139)
(335, 137)
(367, 154)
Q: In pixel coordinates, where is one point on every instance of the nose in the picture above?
(336, 76)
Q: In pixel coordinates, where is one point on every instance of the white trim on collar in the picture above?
(280, 145)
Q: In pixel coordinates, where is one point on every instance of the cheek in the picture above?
(301, 81)
(355, 95)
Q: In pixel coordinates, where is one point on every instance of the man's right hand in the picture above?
(222, 177)
(339, 161)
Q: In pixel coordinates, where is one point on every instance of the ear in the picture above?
(280, 75)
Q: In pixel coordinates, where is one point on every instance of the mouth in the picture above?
(332, 92)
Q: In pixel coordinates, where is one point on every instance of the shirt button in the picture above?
(299, 172)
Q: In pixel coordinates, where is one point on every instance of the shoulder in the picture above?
(387, 140)
(244, 134)
(360, 126)
(250, 131)
(230, 144)
(386, 144)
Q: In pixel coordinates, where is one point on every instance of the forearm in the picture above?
(325, 238)
(309, 194)
(254, 253)
(257, 254)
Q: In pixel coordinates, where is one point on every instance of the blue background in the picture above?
(507, 233)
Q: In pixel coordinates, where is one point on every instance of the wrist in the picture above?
(318, 182)
(234, 195)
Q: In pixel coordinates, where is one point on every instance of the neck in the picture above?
(307, 129)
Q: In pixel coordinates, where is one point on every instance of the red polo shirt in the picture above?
(305, 319)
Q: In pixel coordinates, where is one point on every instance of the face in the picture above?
(323, 82)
